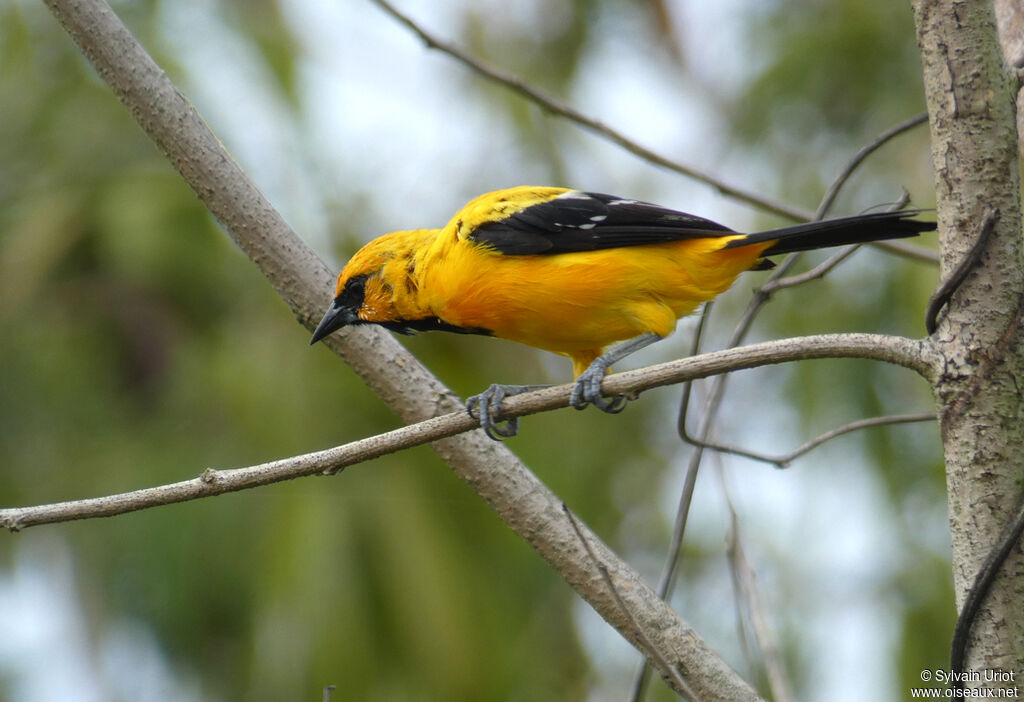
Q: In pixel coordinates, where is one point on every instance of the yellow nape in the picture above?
(497, 205)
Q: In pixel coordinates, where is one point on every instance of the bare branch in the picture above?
(630, 383)
(592, 125)
(783, 461)
(217, 482)
(858, 158)
(825, 267)
(614, 591)
(901, 248)
(819, 271)
(745, 588)
(396, 376)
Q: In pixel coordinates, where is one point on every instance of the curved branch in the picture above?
(900, 248)
(819, 271)
(783, 460)
(858, 158)
(212, 482)
(592, 125)
(787, 458)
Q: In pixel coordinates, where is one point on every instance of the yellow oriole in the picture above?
(569, 272)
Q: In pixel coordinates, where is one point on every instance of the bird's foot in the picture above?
(587, 391)
(487, 408)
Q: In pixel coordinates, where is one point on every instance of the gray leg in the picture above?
(587, 390)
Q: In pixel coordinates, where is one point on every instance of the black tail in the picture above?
(839, 232)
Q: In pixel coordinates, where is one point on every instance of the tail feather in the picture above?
(838, 232)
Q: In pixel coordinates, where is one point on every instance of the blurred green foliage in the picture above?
(833, 69)
(141, 347)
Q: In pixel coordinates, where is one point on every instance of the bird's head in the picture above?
(377, 285)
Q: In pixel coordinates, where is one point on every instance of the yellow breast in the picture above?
(581, 300)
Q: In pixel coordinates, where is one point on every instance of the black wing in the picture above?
(579, 221)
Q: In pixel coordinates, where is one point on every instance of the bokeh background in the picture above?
(138, 347)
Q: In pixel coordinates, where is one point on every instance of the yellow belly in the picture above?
(583, 301)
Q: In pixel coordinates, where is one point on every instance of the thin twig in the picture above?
(819, 271)
(826, 266)
(592, 125)
(745, 586)
(858, 158)
(614, 591)
(757, 301)
(784, 460)
(901, 248)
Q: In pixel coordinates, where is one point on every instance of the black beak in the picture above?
(336, 317)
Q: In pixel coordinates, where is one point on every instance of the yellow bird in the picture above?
(570, 272)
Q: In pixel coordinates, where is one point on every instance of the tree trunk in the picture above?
(971, 105)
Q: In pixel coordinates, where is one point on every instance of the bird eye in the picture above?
(356, 283)
(353, 293)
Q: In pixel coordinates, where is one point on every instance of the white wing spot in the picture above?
(587, 226)
(598, 218)
(573, 195)
(613, 203)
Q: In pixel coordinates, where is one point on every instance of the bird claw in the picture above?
(494, 424)
(486, 407)
(587, 391)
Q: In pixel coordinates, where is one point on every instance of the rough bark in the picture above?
(971, 103)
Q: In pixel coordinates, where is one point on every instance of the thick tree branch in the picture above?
(676, 678)
(304, 283)
(971, 104)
